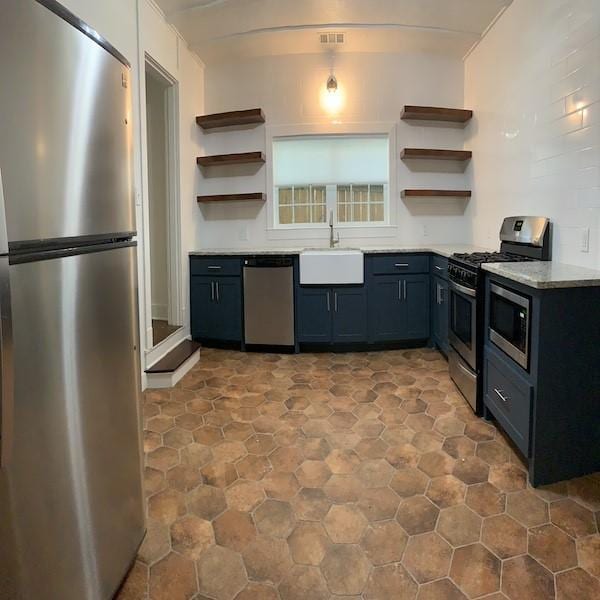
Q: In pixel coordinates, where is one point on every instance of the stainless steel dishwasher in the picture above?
(269, 301)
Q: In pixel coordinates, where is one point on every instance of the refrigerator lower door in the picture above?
(71, 504)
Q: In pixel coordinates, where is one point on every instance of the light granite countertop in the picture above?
(445, 250)
(546, 275)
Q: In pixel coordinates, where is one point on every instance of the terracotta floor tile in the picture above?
(345, 524)
(390, 582)
(443, 589)
(346, 569)
(576, 584)
(254, 462)
(267, 559)
(475, 570)
(275, 518)
(459, 525)
(427, 557)
(221, 573)
(417, 515)
(304, 582)
(588, 550)
(308, 543)
(523, 579)
(573, 518)
(234, 529)
(504, 536)
(552, 547)
(173, 578)
(384, 543)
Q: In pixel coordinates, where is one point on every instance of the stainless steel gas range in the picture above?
(522, 239)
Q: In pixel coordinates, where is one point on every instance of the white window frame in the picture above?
(366, 229)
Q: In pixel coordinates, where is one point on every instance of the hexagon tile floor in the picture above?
(317, 476)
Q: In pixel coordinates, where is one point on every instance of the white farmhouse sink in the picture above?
(335, 266)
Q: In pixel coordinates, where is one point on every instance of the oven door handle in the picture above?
(463, 289)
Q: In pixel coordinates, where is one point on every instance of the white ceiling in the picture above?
(228, 29)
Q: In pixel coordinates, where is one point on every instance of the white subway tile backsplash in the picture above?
(546, 56)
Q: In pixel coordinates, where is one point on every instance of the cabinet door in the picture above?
(349, 315)
(387, 311)
(202, 308)
(416, 301)
(439, 317)
(228, 308)
(314, 314)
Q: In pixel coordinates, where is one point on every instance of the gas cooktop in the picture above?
(478, 258)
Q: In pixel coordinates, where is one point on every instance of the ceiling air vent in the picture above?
(331, 38)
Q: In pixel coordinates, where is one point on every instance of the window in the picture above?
(344, 174)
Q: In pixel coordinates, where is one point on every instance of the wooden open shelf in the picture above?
(436, 193)
(231, 118)
(242, 158)
(260, 197)
(426, 153)
(432, 113)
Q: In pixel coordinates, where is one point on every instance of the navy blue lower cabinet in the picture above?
(216, 308)
(399, 308)
(349, 314)
(417, 307)
(314, 315)
(439, 313)
(387, 317)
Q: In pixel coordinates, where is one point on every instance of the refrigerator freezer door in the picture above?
(71, 505)
(65, 130)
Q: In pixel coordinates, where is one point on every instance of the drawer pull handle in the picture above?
(214, 268)
(438, 268)
(401, 265)
(500, 395)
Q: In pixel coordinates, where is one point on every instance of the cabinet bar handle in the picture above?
(401, 265)
(399, 289)
(328, 303)
(335, 301)
(218, 294)
(214, 268)
(500, 395)
(438, 268)
(404, 285)
(212, 291)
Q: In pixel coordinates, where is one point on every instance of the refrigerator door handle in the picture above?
(6, 367)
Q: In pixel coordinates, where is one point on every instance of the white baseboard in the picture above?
(168, 380)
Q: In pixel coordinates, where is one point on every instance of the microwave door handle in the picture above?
(6, 347)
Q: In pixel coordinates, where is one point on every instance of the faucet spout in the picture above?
(332, 240)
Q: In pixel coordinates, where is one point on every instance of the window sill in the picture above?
(346, 231)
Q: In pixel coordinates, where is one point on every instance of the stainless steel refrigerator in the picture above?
(71, 503)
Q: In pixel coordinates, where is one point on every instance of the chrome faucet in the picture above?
(333, 241)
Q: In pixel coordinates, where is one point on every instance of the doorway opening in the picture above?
(161, 121)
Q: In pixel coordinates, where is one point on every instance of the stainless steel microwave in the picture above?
(510, 317)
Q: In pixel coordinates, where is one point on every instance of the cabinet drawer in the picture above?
(215, 266)
(399, 264)
(439, 266)
(508, 397)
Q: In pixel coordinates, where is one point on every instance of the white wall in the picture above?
(376, 86)
(534, 84)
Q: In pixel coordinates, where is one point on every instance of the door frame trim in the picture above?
(175, 274)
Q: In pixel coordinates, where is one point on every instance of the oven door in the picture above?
(509, 323)
(462, 332)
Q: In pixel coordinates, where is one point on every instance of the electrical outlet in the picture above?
(425, 231)
(243, 234)
(585, 239)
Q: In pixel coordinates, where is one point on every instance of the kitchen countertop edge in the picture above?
(546, 275)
